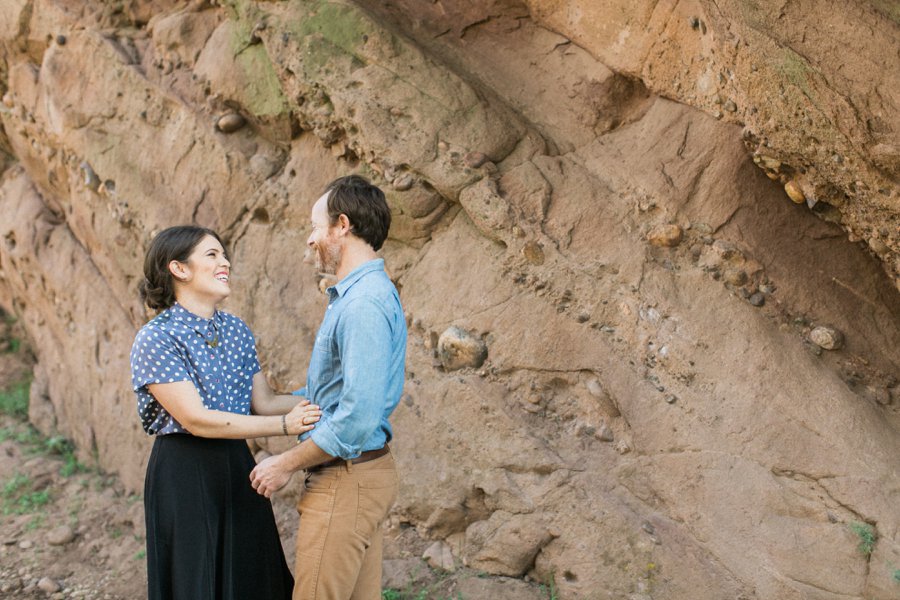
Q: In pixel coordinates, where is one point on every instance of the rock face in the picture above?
(649, 421)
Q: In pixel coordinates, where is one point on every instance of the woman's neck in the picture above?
(198, 306)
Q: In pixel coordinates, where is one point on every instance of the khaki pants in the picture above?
(339, 539)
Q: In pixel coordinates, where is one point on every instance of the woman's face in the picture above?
(207, 271)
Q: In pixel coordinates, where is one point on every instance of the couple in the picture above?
(211, 532)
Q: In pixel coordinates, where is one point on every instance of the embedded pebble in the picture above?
(827, 338)
(91, 180)
(403, 183)
(230, 122)
(475, 159)
(439, 556)
(533, 253)
(60, 536)
(457, 349)
(25, 544)
(757, 299)
(605, 434)
(666, 235)
(735, 277)
(48, 586)
(61, 40)
(794, 192)
(730, 106)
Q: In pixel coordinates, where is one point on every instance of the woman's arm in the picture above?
(183, 402)
(265, 402)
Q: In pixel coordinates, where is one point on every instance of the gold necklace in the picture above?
(215, 341)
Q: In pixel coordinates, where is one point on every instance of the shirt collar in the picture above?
(198, 324)
(356, 274)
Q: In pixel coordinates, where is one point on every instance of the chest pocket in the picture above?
(324, 360)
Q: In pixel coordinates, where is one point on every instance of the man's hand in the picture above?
(269, 476)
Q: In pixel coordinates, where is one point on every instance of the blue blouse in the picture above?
(218, 355)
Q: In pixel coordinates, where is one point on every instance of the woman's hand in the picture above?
(302, 417)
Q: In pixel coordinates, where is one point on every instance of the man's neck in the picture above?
(353, 256)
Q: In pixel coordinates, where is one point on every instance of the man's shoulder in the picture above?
(375, 285)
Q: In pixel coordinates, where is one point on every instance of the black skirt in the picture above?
(210, 536)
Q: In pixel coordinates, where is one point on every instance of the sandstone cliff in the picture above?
(583, 189)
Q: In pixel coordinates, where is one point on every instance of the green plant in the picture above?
(63, 447)
(19, 498)
(867, 537)
(14, 399)
(35, 522)
(550, 588)
(897, 575)
(391, 594)
(141, 554)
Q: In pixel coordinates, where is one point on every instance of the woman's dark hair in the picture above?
(364, 205)
(157, 289)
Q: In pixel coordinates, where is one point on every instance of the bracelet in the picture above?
(284, 424)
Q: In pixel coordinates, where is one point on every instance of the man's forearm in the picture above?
(303, 456)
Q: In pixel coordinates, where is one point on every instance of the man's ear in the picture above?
(179, 271)
(344, 223)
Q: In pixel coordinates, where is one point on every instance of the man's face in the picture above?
(323, 242)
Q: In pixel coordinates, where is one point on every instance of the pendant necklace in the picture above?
(212, 343)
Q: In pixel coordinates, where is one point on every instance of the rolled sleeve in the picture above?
(364, 333)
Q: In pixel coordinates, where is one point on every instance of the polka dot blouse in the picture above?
(218, 355)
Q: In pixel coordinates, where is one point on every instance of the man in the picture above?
(356, 376)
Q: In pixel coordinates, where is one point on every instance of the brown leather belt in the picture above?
(364, 457)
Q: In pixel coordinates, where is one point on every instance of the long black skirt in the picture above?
(210, 536)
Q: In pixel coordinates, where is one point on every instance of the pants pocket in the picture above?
(315, 508)
(374, 502)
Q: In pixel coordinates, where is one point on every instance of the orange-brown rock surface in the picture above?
(579, 189)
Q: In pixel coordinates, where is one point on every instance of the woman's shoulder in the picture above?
(231, 320)
(157, 327)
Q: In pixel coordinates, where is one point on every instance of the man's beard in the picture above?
(328, 258)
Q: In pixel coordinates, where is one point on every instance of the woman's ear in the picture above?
(179, 271)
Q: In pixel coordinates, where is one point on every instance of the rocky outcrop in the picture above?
(641, 408)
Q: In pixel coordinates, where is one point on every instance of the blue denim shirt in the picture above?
(357, 366)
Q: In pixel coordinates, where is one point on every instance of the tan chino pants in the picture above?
(339, 539)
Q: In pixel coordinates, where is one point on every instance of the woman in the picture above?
(197, 378)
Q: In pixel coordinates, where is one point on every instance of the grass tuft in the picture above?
(867, 537)
(19, 497)
(14, 399)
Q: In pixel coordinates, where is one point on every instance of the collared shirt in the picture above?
(357, 366)
(218, 355)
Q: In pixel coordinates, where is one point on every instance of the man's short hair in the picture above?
(365, 207)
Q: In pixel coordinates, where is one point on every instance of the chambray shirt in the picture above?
(173, 347)
(357, 365)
